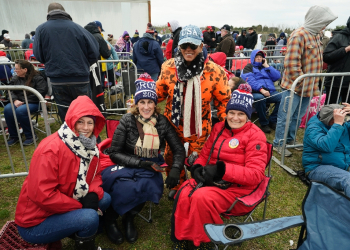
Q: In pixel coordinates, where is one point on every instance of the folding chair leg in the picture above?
(149, 220)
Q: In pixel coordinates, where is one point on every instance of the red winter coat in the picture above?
(48, 188)
(168, 49)
(220, 59)
(245, 167)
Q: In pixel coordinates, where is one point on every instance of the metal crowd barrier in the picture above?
(16, 53)
(283, 142)
(237, 64)
(14, 168)
(120, 83)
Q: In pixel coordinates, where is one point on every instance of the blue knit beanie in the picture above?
(241, 99)
(145, 88)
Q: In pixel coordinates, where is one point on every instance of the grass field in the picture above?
(287, 193)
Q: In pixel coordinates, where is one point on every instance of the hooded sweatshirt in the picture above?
(176, 28)
(304, 51)
(317, 18)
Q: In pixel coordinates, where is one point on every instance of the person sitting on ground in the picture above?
(215, 167)
(326, 155)
(261, 77)
(26, 41)
(62, 194)
(26, 76)
(135, 148)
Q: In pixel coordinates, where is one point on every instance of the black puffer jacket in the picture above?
(126, 136)
(337, 58)
(176, 36)
(252, 39)
(242, 39)
(38, 83)
(103, 48)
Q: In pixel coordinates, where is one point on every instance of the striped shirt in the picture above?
(304, 56)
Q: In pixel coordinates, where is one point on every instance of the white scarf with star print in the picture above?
(74, 144)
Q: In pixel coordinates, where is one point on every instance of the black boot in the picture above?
(87, 243)
(113, 232)
(128, 222)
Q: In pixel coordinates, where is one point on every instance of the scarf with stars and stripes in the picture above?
(74, 144)
(181, 106)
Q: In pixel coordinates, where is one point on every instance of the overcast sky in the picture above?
(244, 13)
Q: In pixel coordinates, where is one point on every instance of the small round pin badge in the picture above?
(233, 143)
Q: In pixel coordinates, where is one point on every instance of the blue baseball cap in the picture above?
(99, 24)
(191, 34)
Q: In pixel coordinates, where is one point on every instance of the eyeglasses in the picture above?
(186, 45)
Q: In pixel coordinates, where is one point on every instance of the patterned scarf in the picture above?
(149, 147)
(74, 144)
(192, 75)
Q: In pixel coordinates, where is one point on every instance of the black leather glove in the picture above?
(173, 178)
(151, 166)
(213, 173)
(90, 201)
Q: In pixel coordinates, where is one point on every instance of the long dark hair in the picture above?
(31, 72)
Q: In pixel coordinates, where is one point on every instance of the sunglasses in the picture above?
(191, 45)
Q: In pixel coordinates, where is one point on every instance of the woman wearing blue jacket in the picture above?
(326, 155)
(261, 78)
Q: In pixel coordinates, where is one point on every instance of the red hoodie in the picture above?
(220, 59)
(48, 188)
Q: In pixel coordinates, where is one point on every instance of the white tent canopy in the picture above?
(23, 16)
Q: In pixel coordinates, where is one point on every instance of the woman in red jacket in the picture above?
(235, 155)
(62, 194)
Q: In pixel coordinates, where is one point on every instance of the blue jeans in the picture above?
(84, 222)
(333, 176)
(22, 118)
(294, 121)
(65, 94)
(277, 66)
(260, 107)
(154, 76)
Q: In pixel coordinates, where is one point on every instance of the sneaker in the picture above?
(12, 141)
(287, 153)
(301, 148)
(30, 141)
(266, 129)
(272, 126)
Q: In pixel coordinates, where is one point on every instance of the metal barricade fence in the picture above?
(237, 64)
(120, 83)
(17, 53)
(283, 142)
(44, 112)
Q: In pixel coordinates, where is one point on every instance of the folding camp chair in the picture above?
(325, 218)
(111, 126)
(257, 196)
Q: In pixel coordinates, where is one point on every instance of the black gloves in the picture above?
(208, 174)
(90, 201)
(173, 178)
(151, 166)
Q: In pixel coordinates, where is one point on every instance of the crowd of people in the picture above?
(87, 184)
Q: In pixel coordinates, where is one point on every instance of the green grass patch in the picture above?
(287, 193)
